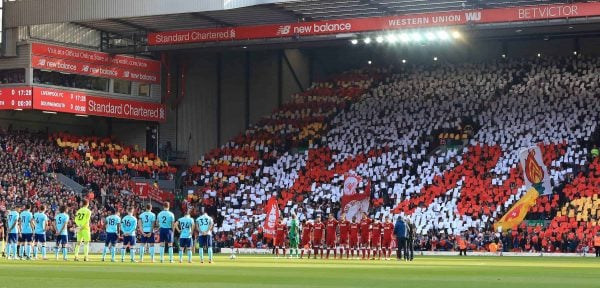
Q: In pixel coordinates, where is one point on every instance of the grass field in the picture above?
(264, 271)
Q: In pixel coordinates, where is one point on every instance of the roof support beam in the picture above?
(132, 25)
(212, 19)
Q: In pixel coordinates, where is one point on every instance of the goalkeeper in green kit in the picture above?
(293, 235)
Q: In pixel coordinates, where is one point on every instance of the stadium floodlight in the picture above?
(369, 62)
(456, 35)
(391, 38)
(403, 61)
(430, 36)
(539, 54)
(503, 55)
(575, 53)
(379, 39)
(415, 37)
(443, 35)
(404, 37)
(367, 40)
(435, 58)
(354, 41)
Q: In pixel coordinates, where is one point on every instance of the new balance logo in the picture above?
(473, 16)
(284, 30)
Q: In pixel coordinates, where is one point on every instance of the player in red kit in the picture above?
(279, 242)
(344, 236)
(331, 238)
(376, 230)
(388, 230)
(318, 236)
(305, 241)
(365, 232)
(354, 228)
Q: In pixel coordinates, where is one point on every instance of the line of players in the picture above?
(27, 231)
(350, 237)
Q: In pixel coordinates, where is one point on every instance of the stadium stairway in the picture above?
(68, 182)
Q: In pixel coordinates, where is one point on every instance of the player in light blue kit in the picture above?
(148, 220)
(205, 226)
(26, 232)
(13, 234)
(165, 221)
(111, 224)
(61, 222)
(185, 227)
(128, 227)
(41, 225)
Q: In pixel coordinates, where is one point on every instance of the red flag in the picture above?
(272, 218)
(353, 204)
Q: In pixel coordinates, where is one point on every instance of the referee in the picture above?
(401, 233)
(410, 242)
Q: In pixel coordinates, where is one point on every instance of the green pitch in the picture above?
(263, 271)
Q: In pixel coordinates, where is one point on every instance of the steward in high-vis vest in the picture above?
(597, 243)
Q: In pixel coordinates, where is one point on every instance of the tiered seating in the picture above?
(105, 153)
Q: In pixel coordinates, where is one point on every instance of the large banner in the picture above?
(92, 63)
(272, 218)
(15, 98)
(537, 182)
(49, 99)
(421, 20)
(534, 170)
(352, 202)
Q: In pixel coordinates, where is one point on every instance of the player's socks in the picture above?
(28, 251)
(171, 253)
(302, 254)
(77, 250)
(189, 254)
(64, 250)
(162, 253)
(8, 250)
(132, 252)
(316, 252)
(142, 251)
(122, 254)
(86, 250)
(56, 252)
(21, 251)
(210, 254)
(113, 251)
(277, 252)
(180, 255)
(104, 252)
(321, 253)
(152, 253)
(35, 251)
(334, 253)
(328, 251)
(201, 254)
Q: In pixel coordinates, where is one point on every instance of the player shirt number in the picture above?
(127, 223)
(164, 221)
(58, 221)
(185, 225)
(111, 222)
(203, 221)
(80, 216)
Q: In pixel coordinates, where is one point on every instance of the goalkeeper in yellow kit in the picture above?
(82, 220)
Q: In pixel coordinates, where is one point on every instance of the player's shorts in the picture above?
(84, 235)
(294, 241)
(305, 241)
(375, 241)
(62, 239)
(111, 238)
(27, 237)
(128, 240)
(344, 241)
(149, 239)
(364, 240)
(166, 235)
(40, 238)
(205, 240)
(278, 242)
(330, 242)
(185, 242)
(386, 243)
(353, 242)
(13, 238)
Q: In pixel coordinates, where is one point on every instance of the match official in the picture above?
(400, 231)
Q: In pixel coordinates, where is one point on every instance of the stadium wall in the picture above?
(228, 91)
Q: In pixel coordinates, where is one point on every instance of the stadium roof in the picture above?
(293, 11)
